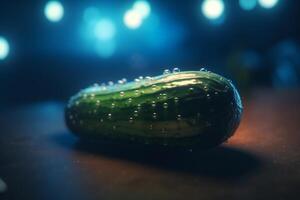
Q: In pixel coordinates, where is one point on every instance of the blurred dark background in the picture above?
(49, 50)
(255, 45)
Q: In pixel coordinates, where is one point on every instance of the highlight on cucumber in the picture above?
(188, 108)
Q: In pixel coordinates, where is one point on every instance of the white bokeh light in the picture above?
(54, 11)
(4, 48)
(213, 9)
(133, 19)
(267, 3)
(142, 7)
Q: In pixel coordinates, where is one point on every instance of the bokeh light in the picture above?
(267, 3)
(99, 31)
(251, 59)
(91, 15)
(247, 4)
(133, 19)
(213, 9)
(105, 29)
(143, 8)
(4, 48)
(54, 11)
(285, 75)
(105, 49)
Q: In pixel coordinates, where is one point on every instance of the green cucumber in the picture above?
(191, 108)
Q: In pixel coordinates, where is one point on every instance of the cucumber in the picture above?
(191, 108)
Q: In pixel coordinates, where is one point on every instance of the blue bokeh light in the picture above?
(267, 3)
(54, 11)
(251, 59)
(105, 49)
(99, 32)
(213, 9)
(91, 15)
(247, 4)
(4, 48)
(285, 75)
(105, 29)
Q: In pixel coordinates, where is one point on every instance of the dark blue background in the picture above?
(50, 61)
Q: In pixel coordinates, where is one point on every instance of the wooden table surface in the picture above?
(40, 159)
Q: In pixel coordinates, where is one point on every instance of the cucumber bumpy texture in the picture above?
(191, 108)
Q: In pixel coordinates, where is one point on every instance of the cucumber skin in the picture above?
(192, 108)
